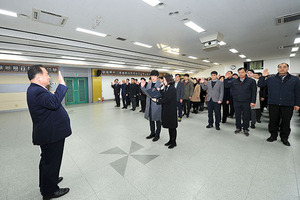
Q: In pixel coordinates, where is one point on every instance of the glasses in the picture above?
(283, 66)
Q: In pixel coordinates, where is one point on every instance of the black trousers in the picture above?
(154, 132)
(124, 101)
(216, 108)
(117, 98)
(225, 111)
(242, 111)
(50, 163)
(186, 107)
(231, 110)
(137, 101)
(133, 101)
(143, 104)
(173, 135)
(128, 100)
(280, 119)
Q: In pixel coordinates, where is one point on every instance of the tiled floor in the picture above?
(108, 158)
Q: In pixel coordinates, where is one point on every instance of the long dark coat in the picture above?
(169, 107)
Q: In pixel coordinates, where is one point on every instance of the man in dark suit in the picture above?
(244, 97)
(51, 125)
(180, 93)
(116, 88)
(214, 99)
(142, 95)
(124, 93)
(133, 91)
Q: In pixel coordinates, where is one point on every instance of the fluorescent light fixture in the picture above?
(242, 56)
(142, 67)
(142, 45)
(297, 40)
(114, 62)
(299, 28)
(216, 63)
(113, 65)
(179, 71)
(172, 52)
(207, 61)
(192, 57)
(73, 58)
(11, 52)
(248, 60)
(233, 50)
(194, 26)
(8, 13)
(292, 55)
(12, 57)
(152, 2)
(162, 70)
(166, 67)
(91, 32)
(190, 72)
(71, 62)
(222, 43)
(146, 65)
(294, 49)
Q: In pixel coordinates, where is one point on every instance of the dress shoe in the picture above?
(258, 121)
(179, 119)
(209, 126)
(218, 128)
(123, 108)
(286, 142)
(155, 138)
(60, 179)
(150, 136)
(133, 109)
(168, 143)
(172, 145)
(271, 139)
(237, 131)
(187, 116)
(60, 192)
(223, 122)
(246, 132)
(141, 111)
(252, 126)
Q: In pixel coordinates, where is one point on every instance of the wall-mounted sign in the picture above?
(23, 68)
(106, 72)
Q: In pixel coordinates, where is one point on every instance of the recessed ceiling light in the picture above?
(207, 61)
(248, 60)
(113, 65)
(216, 63)
(73, 58)
(294, 49)
(121, 63)
(233, 50)
(297, 40)
(192, 57)
(11, 52)
(141, 67)
(143, 45)
(292, 55)
(194, 26)
(8, 13)
(242, 56)
(152, 2)
(222, 43)
(91, 32)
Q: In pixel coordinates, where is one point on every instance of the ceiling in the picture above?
(247, 25)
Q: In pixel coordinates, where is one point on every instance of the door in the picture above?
(78, 90)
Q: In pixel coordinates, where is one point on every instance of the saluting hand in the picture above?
(252, 105)
(61, 79)
(265, 72)
(296, 108)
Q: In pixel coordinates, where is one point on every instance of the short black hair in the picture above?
(230, 71)
(161, 77)
(251, 70)
(150, 78)
(235, 74)
(116, 79)
(143, 79)
(242, 68)
(133, 78)
(187, 75)
(34, 70)
(214, 72)
(127, 79)
(177, 75)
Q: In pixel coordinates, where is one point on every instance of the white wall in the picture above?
(107, 91)
(271, 65)
(295, 65)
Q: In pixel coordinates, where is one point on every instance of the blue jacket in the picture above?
(51, 122)
(124, 89)
(242, 91)
(282, 93)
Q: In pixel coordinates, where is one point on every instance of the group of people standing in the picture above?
(244, 95)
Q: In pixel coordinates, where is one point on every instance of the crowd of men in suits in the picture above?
(243, 96)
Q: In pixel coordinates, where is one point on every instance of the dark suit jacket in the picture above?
(180, 90)
(133, 90)
(51, 122)
(124, 90)
(116, 88)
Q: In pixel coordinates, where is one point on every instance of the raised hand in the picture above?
(202, 80)
(61, 79)
(265, 72)
(227, 75)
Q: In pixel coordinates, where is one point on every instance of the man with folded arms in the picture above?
(51, 125)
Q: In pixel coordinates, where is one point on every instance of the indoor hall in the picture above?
(107, 156)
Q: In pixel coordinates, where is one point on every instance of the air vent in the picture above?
(121, 39)
(48, 17)
(287, 18)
